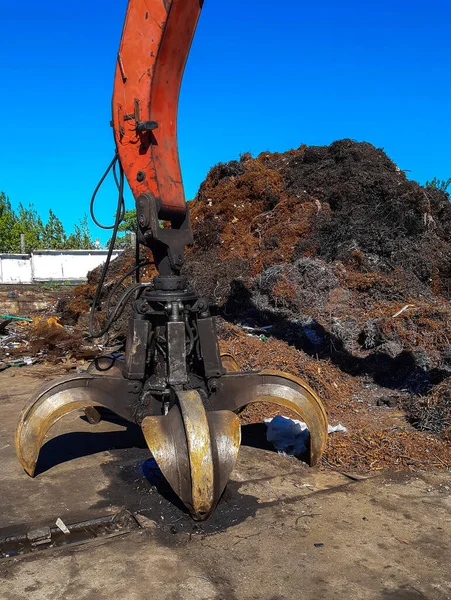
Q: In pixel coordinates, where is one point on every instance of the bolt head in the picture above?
(143, 307)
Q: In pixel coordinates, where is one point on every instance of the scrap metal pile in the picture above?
(328, 261)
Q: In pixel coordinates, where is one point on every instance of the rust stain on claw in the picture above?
(37, 418)
(229, 363)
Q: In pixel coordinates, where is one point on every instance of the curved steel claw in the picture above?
(237, 390)
(195, 450)
(59, 397)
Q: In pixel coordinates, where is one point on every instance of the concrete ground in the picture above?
(282, 531)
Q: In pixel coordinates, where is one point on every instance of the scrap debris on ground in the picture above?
(43, 336)
(326, 262)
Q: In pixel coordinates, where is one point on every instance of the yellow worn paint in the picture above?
(199, 451)
(229, 363)
(195, 450)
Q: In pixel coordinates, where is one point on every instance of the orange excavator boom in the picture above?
(155, 43)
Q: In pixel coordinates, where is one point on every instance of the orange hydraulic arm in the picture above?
(155, 43)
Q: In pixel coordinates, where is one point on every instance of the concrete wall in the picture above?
(15, 268)
(50, 265)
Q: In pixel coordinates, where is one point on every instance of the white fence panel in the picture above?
(15, 268)
(46, 267)
(50, 265)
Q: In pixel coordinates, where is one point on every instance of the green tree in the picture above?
(26, 221)
(127, 226)
(54, 237)
(122, 242)
(129, 221)
(81, 238)
(7, 223)
(440, 184)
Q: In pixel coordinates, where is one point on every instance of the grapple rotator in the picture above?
(173, 381)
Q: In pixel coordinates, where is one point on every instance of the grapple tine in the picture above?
(225, 432)
(165, 437)
(54, 400)
(195, 450)
(240, 389)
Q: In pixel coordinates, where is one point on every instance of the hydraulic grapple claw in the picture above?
(196, 444)
(237, 390)
(55, 399)
(195, 450)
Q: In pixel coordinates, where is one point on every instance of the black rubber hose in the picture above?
(115, 228)
(117, 284)
(112, 165)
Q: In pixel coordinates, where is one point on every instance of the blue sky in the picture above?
(261, 76)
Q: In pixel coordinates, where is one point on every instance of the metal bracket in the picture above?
(209, 348)
(136, 348)
(167, 244)
(175, 332)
